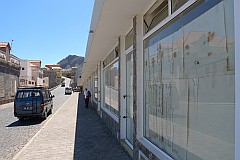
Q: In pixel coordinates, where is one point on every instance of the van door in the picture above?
(36, 101)
(46, 100)
(24, 102)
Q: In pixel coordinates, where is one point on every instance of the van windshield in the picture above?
(27, 94)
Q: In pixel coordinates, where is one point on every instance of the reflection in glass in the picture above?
(129, 98)
(129, 40)
(157, 13)
(111, 88)
(176, 4)
(189, 84)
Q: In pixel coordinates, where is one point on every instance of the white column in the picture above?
(140, 91)
(169, 7)
(237, 78)
(122, 88)
(99, 86)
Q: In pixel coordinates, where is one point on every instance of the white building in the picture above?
(25, 73)
(37, 74)
(163, 76)
(9, 73)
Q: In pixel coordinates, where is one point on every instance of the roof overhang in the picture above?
(110, 19)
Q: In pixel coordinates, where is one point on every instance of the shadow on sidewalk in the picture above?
(93, 140)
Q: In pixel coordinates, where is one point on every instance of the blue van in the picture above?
(33, 102)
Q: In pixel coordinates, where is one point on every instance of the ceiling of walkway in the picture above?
(110, 19)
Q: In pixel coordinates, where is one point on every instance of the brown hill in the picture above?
(71, 61)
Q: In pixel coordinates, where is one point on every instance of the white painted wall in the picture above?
(27, 72)
(39, 81)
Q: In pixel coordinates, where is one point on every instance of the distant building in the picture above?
(25, 78)
(49, 66)
(5, 48)
(37, 73)
(9, 73)
(52, 77)
(36, 63)
(3, 55)
(78, 75)
(46, 81)
(58, 71)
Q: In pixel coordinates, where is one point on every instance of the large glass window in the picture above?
(157, 13)
(129, 40)
(176, 4)
(189, 84)
(111, 89)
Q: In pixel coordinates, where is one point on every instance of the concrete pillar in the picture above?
(117, 50)
(137, 81)
(122, 56)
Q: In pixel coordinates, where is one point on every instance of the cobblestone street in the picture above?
(15, 134)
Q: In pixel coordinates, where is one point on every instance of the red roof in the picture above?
(5, 44)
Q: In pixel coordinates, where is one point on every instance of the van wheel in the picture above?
(50, 111)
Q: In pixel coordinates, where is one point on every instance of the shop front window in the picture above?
(111, 89)
(189, 81)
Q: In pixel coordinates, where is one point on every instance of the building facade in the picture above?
(9, 73)
(26, 74)
(50, 77)
(37, 75)
(164, 79)
(58, 71)
(37, 72)
(5, 48)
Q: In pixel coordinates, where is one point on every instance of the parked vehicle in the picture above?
(63, 84)
(76, 89)
(33, 102)
(68, 90)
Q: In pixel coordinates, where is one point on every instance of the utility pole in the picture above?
(11, 45)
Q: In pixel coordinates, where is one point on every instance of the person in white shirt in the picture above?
(86, 97)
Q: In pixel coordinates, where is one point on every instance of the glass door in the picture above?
(129, 97)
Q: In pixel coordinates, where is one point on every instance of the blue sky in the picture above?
(46, 30)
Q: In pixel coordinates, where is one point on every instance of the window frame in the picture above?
(169, 18)
(148, 144)
(115, 117)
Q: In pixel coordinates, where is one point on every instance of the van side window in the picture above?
(24, 94)
(35, 94)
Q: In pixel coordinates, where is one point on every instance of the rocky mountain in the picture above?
(71, 61)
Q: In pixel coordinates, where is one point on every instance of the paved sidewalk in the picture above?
(56, 138)
(73, 132)
(93, 139)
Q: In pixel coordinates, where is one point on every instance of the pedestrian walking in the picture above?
(87, 95)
